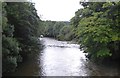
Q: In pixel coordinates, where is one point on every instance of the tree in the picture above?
(54, 29)
(97, 29)
(10, 46)
(26, 23)
(20, 34)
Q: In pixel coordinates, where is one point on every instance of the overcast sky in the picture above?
(56, 10)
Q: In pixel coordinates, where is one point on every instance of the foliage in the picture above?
(65, 33)
(10, 46)
(21, 25)
(96, 27)
(57, 29)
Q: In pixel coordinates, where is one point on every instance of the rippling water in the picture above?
(62, 58)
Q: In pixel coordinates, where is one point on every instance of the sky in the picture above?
(56, 10)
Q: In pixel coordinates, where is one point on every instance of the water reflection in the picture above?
(62, 59)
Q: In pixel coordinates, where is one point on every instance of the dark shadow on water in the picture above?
(29, 66)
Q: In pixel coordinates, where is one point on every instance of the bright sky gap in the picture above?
(56, 10)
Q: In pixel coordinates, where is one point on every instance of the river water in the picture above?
(62, 58)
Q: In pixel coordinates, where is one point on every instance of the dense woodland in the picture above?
(57, 29)
(96, 27)
(20, 24)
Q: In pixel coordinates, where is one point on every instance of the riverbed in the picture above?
(62, 58)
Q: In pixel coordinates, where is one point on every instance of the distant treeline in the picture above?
(96, 27)
(21, 29)
(60, 30)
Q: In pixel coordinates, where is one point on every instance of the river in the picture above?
(62, 58)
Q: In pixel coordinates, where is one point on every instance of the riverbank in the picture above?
(67, 60)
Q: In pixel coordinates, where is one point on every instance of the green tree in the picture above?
(21, 29)
(97, 29)
(65, 33)
(10, 46)
(54, 29)
(26, 24)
